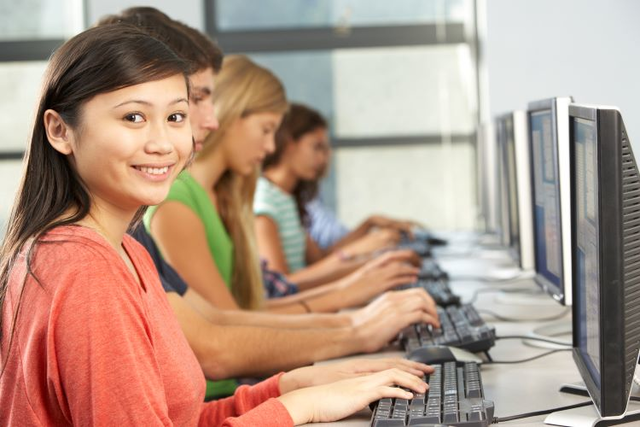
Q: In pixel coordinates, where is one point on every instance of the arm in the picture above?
(258, 318)
(229, 351)
(270, 247)
(181, 237)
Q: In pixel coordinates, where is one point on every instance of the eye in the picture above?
(177, 117)
(134, 117)
(196, 99)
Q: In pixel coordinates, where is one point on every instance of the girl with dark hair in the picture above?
(291, 175)
(87, 335)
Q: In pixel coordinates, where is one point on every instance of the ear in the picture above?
(59, 134)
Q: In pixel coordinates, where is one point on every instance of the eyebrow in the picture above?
(202, 90)
(149, 104)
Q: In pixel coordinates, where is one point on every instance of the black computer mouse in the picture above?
(432, 354)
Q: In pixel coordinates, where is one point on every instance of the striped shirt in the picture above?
(273, 202)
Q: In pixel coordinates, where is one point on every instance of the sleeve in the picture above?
(324, 227)
(101, 352)
(263, 201)
(249, 406)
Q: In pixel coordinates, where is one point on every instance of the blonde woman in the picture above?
(205, 227)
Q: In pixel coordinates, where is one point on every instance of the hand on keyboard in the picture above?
(374, 278)
(311, 376)
(379, 323)
(337, 400)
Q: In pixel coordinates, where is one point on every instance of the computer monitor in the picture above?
(486, 168)
(514, 160)
(605, 218)
(548, 135)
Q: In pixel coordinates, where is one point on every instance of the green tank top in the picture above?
(190, 193)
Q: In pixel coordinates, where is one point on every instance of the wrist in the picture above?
(298, 407)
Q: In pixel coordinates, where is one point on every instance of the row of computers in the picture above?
(560, 189)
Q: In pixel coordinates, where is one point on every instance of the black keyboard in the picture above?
(460, 327)
(455, 397)
(420, 247)
(431, 270)
(439, 291)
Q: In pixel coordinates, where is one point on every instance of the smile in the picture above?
(153, 171)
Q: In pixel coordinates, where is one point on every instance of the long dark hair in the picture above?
(99, 60)
(299, 121)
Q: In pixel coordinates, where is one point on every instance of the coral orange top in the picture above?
(92, 346)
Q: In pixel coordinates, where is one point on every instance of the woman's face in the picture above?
(249, 140)
(131, 143)
(202, 115)
(308, 157)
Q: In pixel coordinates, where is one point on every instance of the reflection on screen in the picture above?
(548, 246)
(586, 200)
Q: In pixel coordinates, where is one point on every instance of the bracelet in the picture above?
(304, 304)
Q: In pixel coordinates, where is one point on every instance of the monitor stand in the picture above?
(587, 416)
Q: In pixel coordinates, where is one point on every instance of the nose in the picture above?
(270, 144)
(158, 141)
(209, 118)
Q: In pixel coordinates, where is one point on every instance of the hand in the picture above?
(373, 241)
(380, 221)
(374, 278)
(399, 255)
(380, 322)
(337, 400)
(311, 376)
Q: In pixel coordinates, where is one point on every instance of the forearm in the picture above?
(325, 271)
(241, 351)
(284, 321)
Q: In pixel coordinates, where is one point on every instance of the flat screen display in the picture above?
(546, 210)
(587, 250)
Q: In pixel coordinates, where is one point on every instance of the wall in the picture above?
(584, 48)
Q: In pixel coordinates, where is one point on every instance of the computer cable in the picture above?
(477, 292)
(489, 279)
(517, 319)
(497, 420)
(529, 359)
(528, 338)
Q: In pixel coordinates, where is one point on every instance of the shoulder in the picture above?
(76, 263)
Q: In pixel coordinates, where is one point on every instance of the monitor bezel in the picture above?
(559, 119)
(610, 271)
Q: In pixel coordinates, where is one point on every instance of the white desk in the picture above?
(516, 388)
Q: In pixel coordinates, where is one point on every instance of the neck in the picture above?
(109, 221)
(283, 177)
(208, 171)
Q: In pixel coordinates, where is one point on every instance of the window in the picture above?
(399, 76)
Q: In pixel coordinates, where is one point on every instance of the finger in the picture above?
(402, 379)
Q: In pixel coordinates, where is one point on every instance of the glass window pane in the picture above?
(40, 19)
(404, 91)
(19, 85)
(384, 91)
(403, 178)
(10, 174)
(233, 15)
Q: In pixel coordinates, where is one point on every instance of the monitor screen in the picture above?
(546, 209)
(587, 248)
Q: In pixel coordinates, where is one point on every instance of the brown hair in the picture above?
(299, 121)
(96, 61)
(188, 43)
(242, 88)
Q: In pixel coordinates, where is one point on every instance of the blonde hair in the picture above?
(242, 88)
